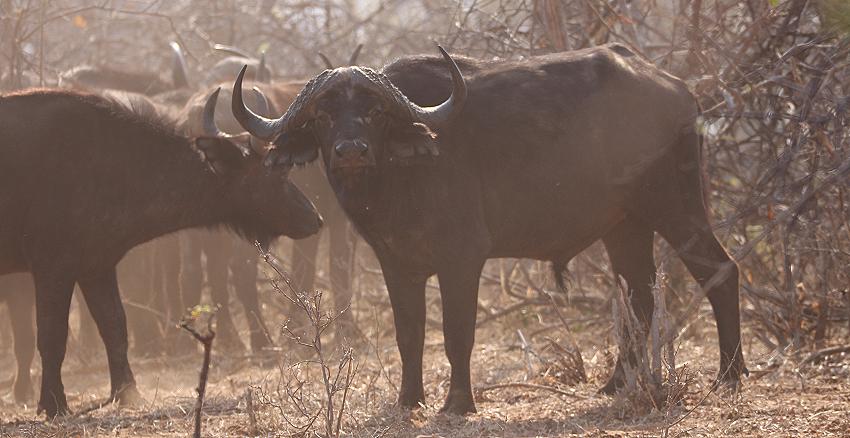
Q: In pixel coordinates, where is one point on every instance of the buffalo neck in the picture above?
(180, 191)
(385, 198)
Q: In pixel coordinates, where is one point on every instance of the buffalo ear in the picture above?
(412, 144)
(222, 155)
(297, 147)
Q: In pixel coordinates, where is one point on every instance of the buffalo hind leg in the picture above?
(459, 296)
(139, 285)
(87, 331)
(629, 247)
(407, 296)
(104, 302)
(21, 303)
(53, 302)
(717, 274)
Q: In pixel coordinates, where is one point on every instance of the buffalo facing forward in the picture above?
(537, 158)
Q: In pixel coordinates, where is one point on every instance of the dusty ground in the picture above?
(783, 402)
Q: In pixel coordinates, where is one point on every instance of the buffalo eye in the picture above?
(375, 114)
(324, 118)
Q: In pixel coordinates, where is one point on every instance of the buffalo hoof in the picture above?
(411, 399)
(729, 378)
(129, 396)
(53, 406)
(259, 343)
(728, 384)
(23, 391)
(614, 383)
(459, 403)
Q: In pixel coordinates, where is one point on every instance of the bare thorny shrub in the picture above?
(307, 403)
(652, 380)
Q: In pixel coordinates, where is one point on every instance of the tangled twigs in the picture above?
(821, 354)
(297, 388)
(206, 339)
(482, 389)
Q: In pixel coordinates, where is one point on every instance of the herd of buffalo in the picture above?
(438, 162)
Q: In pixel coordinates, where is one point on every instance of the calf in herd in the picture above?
(536, 158)
(83, 179)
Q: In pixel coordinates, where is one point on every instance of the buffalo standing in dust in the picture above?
(226, 255)
(537, 158)
(83, 179)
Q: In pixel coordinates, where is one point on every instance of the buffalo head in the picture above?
(356, 117)
(270, 205)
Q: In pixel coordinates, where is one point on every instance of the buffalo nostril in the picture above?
(351, 149)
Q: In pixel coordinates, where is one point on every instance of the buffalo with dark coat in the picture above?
(225, 69)
(83, 179)
(225, 255)
(96, 78)
(236, 260)
(537, 158)
(148, 277)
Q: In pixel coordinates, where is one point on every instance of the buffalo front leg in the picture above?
(52, 303)
(21, 303)
(459, 295)
(219, 255)
(407, 296)
(243, 269)
(340, 255)
(104, 302)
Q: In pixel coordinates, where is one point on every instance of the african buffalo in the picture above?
(83, 179)
(225, 255)
(536, 158)
(95, 78)
(224, 69)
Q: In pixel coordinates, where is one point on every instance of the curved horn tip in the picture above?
(447, 110)
(240, 77)
(208, 119)
(328, 64)
(256, 125)
(444, 52)
(263, 102)
(354, 55)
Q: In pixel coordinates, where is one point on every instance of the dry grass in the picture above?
(544, 400)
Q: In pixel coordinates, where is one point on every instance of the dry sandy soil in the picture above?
(783, 401)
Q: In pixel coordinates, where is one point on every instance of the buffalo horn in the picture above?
(257, 125)
(446, 111)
